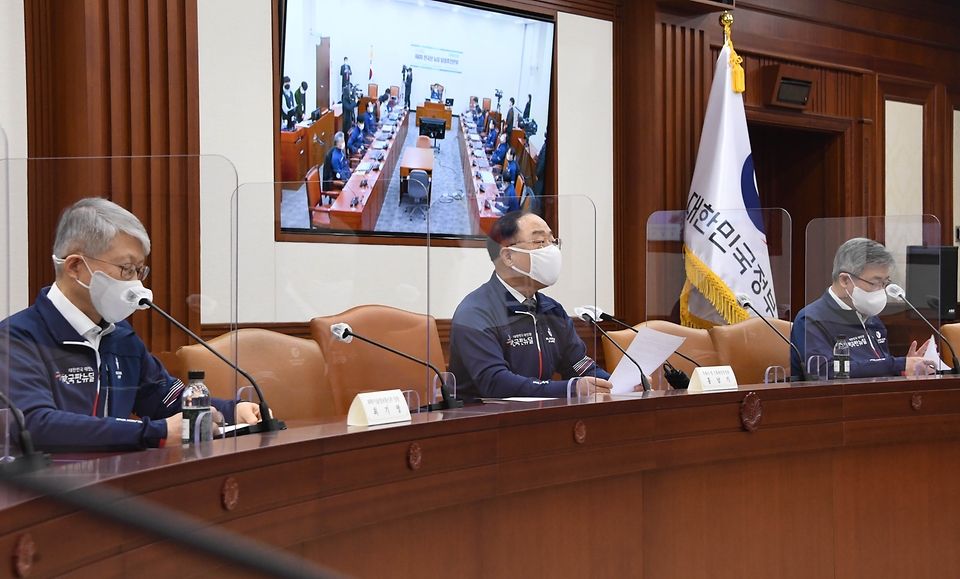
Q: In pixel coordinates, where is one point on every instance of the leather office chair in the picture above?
(373, 91)
(486, 104)
(418, 188)
(952, 333)
(423, 142)
(319, 213)
(395, 91)
(697, 345)
(360, 367)
(290, 371)
(749, 347)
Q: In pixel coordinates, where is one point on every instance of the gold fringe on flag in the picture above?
(736, 61)
(709, 284)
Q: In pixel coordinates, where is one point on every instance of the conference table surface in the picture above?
(855, 478)
(416, 158)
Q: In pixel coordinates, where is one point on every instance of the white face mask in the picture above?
(545, 264)
(114, 299)
(868, 303)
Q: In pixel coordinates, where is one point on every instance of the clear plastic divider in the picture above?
(864, 277)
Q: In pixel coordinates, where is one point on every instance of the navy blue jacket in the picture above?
(369, 124)
(510, 172)
(491, 141)
(499, 155)
(356, 140)
(815, 333)
(53, 380)
(341, 165)
(498, 349)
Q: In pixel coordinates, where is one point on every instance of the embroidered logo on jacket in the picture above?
(524, 339)
(76, 375)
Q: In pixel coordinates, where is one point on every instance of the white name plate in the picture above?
(372, 408)
(712, 379)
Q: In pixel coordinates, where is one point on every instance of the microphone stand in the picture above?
(267, 422)
(643, 378)
(31, 460)
(803, 371)
(448, 401)
(956, 364)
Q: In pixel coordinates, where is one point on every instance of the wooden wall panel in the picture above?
(118, 79)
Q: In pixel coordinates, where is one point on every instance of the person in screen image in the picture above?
(300, 98)
(850, 306)
(369, 123)
(287, 104)
(508, 201)
(356, 141)
(508, 125)
(77, 370)
(407, 85)
(507, 338)
(350, 103)
(491, 141)
(345, 74)
(500, 154)
(336, 165)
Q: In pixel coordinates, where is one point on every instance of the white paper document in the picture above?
(932, 354)
(650, 349)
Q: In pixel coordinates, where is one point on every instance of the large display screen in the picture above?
(391, 64)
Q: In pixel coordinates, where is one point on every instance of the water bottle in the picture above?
(196, 407)
(841, 358)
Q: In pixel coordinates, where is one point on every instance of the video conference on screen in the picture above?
(415, 52)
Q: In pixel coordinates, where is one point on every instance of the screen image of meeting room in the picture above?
(453, 103)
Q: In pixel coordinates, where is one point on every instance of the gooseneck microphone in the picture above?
(267, 422)
(599, 314)
(587, 314)
(344, 333)
(895, 291)
(743, 300)
(31, 459)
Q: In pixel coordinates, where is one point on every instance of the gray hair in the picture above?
(89, 226)
(858, 254)
(338, 138)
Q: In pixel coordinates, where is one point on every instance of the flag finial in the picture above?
(739, 83)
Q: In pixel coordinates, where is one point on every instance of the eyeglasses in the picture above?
(541, 243)
(874, 285)
(128, 271)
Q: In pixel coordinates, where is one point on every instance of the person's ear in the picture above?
(506, 256)
(72, 266)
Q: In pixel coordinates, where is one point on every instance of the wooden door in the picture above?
(323, 73)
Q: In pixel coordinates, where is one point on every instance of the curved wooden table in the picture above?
(856, 479)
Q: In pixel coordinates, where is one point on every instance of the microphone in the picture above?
(586, 313)
(895, 291)
(267, 422)
(605, 317)
(743, 300)
(32, 460)
(344, 333)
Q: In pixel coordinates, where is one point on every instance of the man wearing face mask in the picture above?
(77, 370)
(507, 338)
(850, 306)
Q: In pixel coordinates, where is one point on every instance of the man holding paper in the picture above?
(507, 338)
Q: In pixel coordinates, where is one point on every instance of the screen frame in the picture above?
(416, 239)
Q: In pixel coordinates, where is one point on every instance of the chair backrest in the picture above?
(314, 192)
(418, 184)
(697, 345)
(373, 91)
(360, 367)
(486, 104)
(394, 91)
(519, 186)
(423, 142)
(290, 371)
(952, 333)
(750, 347)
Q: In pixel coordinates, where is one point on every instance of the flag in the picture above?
(724, 245)
(370, 78)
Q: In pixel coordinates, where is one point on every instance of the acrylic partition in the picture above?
(49, 369)
(902, 253)
(749, 251)
(6, 418)
(499, 348)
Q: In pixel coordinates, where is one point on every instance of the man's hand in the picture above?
(925, 366)
(248, 413)
(592, 384)
(175, 428)
(915, 352)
